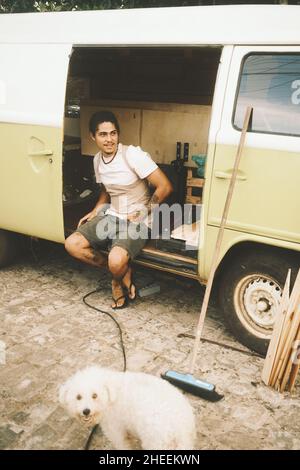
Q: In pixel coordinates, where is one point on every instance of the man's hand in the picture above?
(87, 217)
(103, 200)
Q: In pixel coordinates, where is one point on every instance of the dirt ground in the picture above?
(47, 333)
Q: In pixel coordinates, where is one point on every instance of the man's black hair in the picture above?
(99, 118)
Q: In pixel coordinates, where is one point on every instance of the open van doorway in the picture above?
(162, 97)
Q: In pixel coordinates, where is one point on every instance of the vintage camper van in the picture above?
(177, 79)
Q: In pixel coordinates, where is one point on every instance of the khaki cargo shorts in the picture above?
(106, 231)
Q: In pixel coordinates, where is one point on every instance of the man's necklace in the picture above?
(107, 163)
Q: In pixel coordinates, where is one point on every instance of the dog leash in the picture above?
(112, 318)
(89, 440)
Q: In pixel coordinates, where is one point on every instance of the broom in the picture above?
(188, 382)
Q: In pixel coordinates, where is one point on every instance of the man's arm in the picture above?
(163, 189)
(162, 185)
(104, 198)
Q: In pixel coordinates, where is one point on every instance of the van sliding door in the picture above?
(32, 96)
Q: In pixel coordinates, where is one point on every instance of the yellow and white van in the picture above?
(171, 75)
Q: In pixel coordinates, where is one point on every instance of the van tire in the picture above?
(249, 290)
(8, 247)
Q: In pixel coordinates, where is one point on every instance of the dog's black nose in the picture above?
(86, 412)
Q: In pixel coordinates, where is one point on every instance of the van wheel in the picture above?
(249, 294)
(8, 247)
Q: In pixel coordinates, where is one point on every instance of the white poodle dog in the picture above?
(131, 407)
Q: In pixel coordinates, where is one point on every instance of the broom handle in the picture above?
(219, 239)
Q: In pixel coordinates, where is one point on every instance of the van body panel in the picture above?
(30, 181)
(219, 93)
(215, 125)
(266, 195)
(33, 82)
(234, 238)
(274, 24)
(32, 96)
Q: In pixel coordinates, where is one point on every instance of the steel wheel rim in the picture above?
(256, 301)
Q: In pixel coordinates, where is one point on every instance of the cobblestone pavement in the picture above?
(48, 334)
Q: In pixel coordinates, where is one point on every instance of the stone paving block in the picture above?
(27, 390)
(43, 438)
(242, 440)
(18, 354)
(41, 357)
(20, 417)
(7, 437)
(9, 375)
(138, 360)
(75, 437)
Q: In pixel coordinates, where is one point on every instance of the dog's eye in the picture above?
(94, 396)
(79, 397)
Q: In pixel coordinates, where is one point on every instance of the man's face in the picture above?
(106, 138)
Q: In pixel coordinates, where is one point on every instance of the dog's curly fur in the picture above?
(131, 407)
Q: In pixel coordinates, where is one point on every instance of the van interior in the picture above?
(162, 98)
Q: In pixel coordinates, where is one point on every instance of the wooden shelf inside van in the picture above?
(193, 182)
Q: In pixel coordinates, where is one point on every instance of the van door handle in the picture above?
(42, 153)
(227, 175)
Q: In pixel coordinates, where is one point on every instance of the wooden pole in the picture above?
(296, 363)
(279, 322)
(286, 365)
(286, 335)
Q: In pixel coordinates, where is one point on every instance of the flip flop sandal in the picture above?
(131, 299)
(118, 307)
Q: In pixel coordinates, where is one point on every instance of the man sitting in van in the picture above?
(122, 215)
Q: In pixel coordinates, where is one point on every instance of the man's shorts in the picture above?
(107, 231)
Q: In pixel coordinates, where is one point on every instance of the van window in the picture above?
(270, 83)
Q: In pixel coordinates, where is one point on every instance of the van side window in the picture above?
(270, 83)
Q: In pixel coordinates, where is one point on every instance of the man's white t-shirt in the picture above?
(121, 177)
(140, 165)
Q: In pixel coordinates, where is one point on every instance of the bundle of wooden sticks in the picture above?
(282, 361)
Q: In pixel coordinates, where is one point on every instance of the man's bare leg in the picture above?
(118, 260)
(127, 282)
(78, 247)
(118, 264)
